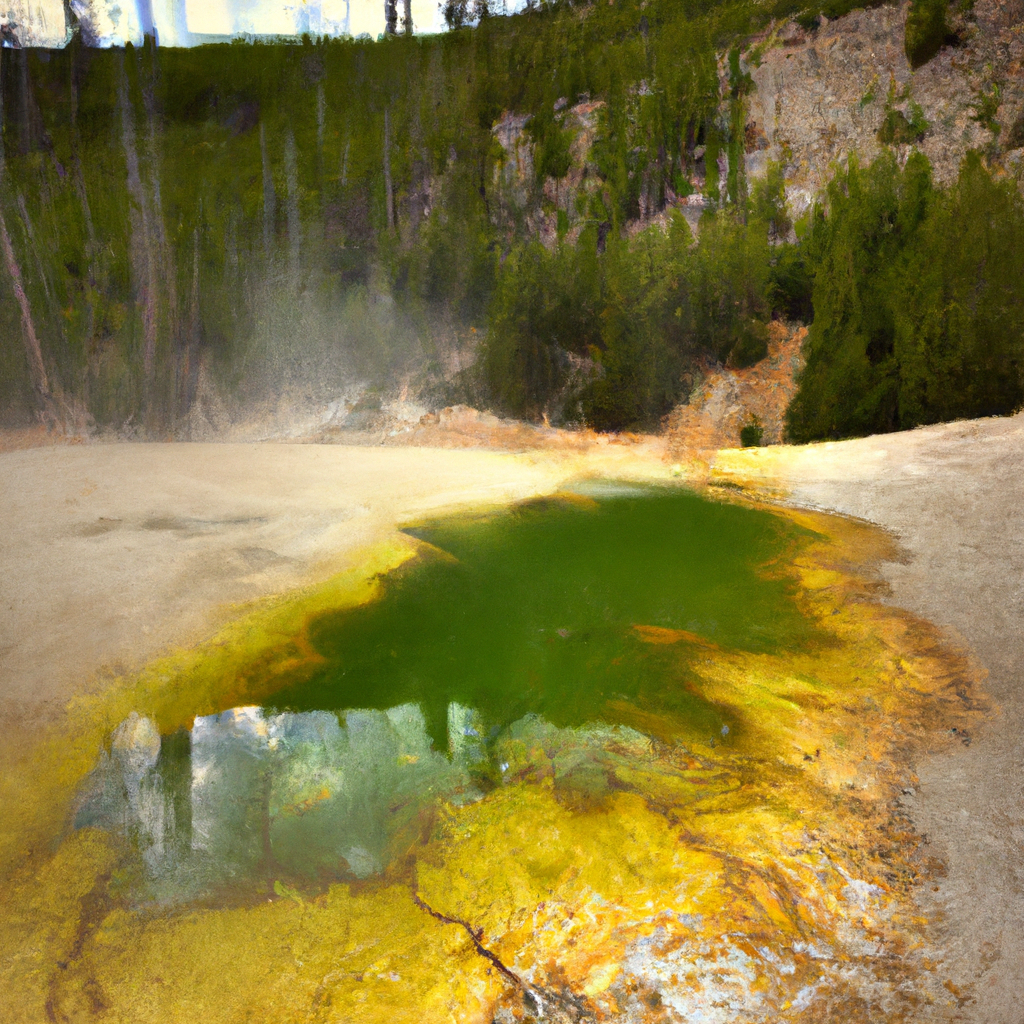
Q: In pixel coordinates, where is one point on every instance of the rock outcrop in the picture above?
(823, 95)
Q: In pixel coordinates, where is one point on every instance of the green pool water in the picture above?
(513, 633)
(532, 611)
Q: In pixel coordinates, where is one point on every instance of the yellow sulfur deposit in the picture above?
(612, 875)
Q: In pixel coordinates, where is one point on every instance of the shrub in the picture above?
(751, 433)
(927, 31)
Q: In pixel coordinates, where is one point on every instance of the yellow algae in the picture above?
(341, 957)
(44, 920)
(608, 873)
(661, 635)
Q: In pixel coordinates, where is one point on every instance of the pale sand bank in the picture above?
(954, 496)
(111, 554)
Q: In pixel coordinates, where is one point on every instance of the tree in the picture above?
(926, 31)
(33, 349)
(456, 13)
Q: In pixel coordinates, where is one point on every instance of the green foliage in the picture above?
(546, 305)
(606, 337)
(986, 106)
(552, 157)
(810, 17)
(645, 337)
(574, 333)
(751, 433)
(267, 204)
(918, 302)
(264, 197)
(275, 215)
(960, 329)
(870, 96)
(730, 287)
(927, 30)
(898, 129)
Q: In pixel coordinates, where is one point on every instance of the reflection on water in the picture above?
(249, 797)
(246, 795)
(560, 623)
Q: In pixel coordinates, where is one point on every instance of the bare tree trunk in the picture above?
(388, 192)
(390, 17)
(407, 19)
(141, 251)
(294, 221)
(33, 350)
(268, 197)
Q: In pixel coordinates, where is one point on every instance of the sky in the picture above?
(192, 22)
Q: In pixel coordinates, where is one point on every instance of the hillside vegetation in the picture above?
(546, 214)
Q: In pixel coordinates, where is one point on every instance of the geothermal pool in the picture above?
(619, 754)
(559, 620)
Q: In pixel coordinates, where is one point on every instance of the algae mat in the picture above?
(617, 755)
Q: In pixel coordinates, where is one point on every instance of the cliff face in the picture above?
(821, 95)
(818, 96)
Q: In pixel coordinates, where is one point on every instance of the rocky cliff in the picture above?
(817, 96)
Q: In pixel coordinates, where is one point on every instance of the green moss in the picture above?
(927, 30)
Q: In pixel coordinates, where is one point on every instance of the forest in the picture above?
(488, 215)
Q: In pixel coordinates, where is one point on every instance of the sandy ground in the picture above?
(111, 554)
(954, 496)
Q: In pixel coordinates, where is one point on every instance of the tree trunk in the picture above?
(294, 221)
(388, 193)
(33, 350)
(140, 247)
(269, 200)
(390, 17)
(407, 19)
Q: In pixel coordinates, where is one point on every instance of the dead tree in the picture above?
(143, 264)
(388, 189)
(33, 350)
